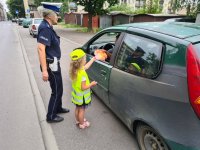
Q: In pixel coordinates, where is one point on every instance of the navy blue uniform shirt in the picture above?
(48, 37)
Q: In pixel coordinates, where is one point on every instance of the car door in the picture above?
(100, 70)
(130, 86)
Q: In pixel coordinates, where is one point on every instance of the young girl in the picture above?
(81, 94)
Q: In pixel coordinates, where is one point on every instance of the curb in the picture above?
(46, 130)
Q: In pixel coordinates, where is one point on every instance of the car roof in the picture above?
(180, 30)
(37, 18)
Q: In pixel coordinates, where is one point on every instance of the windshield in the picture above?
(37, 21)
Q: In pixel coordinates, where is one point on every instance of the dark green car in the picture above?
(151, 81)
(26, 22)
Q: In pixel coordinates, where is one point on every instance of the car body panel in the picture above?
(20, 20)
(26, 22)
(194, 39)
(100, 72)
(185, 19)
(35, 22)
(161, 102)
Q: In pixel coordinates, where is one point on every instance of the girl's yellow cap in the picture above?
(77, 54)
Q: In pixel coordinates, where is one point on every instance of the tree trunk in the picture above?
(89, 22)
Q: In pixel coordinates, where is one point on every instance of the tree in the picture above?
(95, 7)
(122, 8)
(152, 6)
(64, 8)
(16, 5)
(9, 15)
(175, 5)
(192, 6)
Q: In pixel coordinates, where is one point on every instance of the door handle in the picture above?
(103, 72)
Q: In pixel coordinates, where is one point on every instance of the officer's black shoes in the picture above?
(56, 119)
(64, 110)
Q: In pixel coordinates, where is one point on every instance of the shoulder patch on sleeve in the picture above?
(44, 38)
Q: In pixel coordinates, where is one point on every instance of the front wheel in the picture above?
(149, 139)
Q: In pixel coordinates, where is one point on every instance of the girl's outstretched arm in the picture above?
(87, 66)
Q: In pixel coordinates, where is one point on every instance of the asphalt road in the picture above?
(19, 126)
(107, 132)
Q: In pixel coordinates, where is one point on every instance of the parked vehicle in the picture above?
(151, 81)
(26, 22)
(192, 20)
(14, 20)
(19, 21)
(33, 27)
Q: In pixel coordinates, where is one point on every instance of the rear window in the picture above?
(139, 56)
(37, 21)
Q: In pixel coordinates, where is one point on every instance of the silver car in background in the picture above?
(33, 27)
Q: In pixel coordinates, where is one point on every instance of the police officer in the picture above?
(49, 56)
(136, 64)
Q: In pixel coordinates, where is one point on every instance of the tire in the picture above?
(149, 139)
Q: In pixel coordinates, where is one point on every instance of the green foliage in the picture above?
(152, 6)
(9, 15)
(85, 29)
(95, 30)
(14, 5)
(64, 8)
(95, 7)
(69, 25)
(122, 8)
(140, 11)
(175, 5)
(192, 6)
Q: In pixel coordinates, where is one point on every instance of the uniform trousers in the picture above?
(56, 84)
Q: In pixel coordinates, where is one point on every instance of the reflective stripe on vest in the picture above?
(77, 94)
(136, 66)
(77, 97)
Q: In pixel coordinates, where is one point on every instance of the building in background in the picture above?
(33, 9)
(2, 13)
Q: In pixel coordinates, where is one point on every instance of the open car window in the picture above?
(105, 42)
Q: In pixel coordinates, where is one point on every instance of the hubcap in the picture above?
(153, 142)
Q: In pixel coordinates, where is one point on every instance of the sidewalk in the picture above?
(22, 125)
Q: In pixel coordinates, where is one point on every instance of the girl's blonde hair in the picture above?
(75, 65)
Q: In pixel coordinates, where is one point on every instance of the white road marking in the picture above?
(71, 41)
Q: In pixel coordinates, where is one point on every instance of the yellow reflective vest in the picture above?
(77, 93)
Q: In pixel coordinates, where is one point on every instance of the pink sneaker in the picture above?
(84, 125)
(87, 123)
(77, 122)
